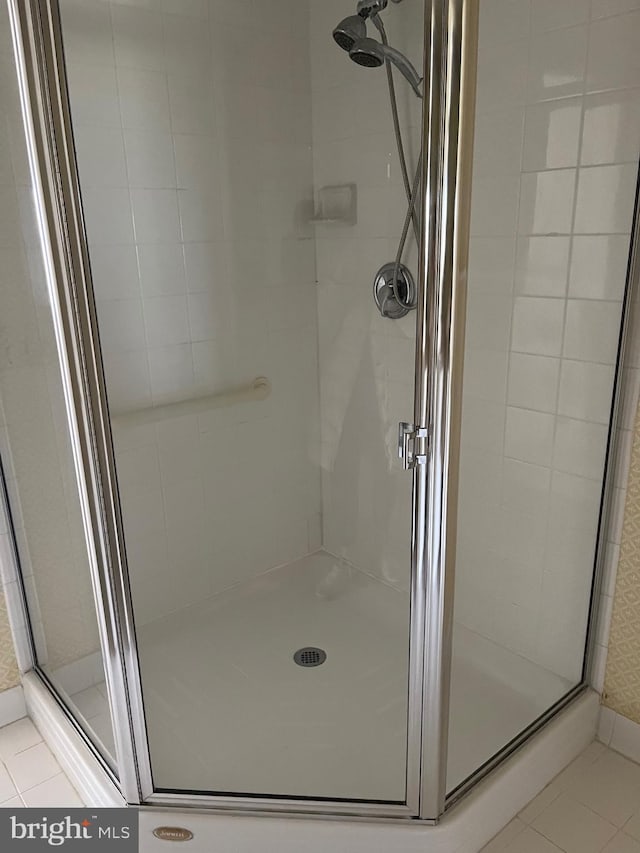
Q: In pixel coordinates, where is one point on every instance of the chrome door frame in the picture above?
(39, 56)
(448, 125)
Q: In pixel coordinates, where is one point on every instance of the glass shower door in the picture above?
(241, 187)
(557, 141)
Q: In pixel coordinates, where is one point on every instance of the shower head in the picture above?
(349, 31)
(372, 54)
(367, 52)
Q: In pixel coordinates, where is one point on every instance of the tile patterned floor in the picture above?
(29, 774)
(591, 807)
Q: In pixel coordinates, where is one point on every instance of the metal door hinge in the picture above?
(413, 445)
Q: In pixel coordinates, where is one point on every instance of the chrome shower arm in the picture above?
(405, 67)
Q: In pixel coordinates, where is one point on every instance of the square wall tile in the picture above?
(614, 62)
(483, 425)
(611, 131)
(529, 436)
(491, 262)
(580, 448)
(88, 35)
(192, 105)
(162, 271)
(196, 161)
(128, 380)
(94, 94)
(592, 330)
(503, 20)
(200, 215)
(166, 320)
(144, 99)
(108, 216)
(546, 202)
(553, 14)
(606, 8)
(114, 272)
(488, 321)
(552, 134)
(586, 391)
(150, 161)
(537, 326)
(599, 267)
(498, 142)
(625, 738)
(207, 265)
(576, 500)
(525, 487)
(138, 37)
(502, 75)
(121, 325)
(557, 64)
(606, 196)
(542, 266)
(533, 382)
(100, 153)
(207, 316)
(485, 374)
(155, 216)
(171, 370)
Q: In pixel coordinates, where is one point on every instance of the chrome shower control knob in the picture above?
(394, 291)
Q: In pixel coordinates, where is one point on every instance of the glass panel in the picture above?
(241, 187)
(556, 162)
(35, 444)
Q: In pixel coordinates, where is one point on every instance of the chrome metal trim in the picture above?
(80, 726)
(278, 807)
(45, 107)
(627, 332)
(448, 125)
(94, 781)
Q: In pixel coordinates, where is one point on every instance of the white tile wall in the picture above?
(366, 362)
(556, 295)
(196, 175)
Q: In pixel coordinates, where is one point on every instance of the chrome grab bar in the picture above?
(258, 389)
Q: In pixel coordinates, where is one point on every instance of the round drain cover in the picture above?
(310, 656)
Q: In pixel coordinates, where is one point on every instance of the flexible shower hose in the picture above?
(411, 190)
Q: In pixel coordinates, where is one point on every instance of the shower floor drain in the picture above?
(310, 656)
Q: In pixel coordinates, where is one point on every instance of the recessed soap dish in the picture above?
(337, 204)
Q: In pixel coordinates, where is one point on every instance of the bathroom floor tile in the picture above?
(622, 843)
(29, 773)
(55, 792)
(7, 788)
(32, 766)
(17, 737)
(593, 806)
(573, 826)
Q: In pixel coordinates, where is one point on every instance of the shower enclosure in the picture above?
(344, 546)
